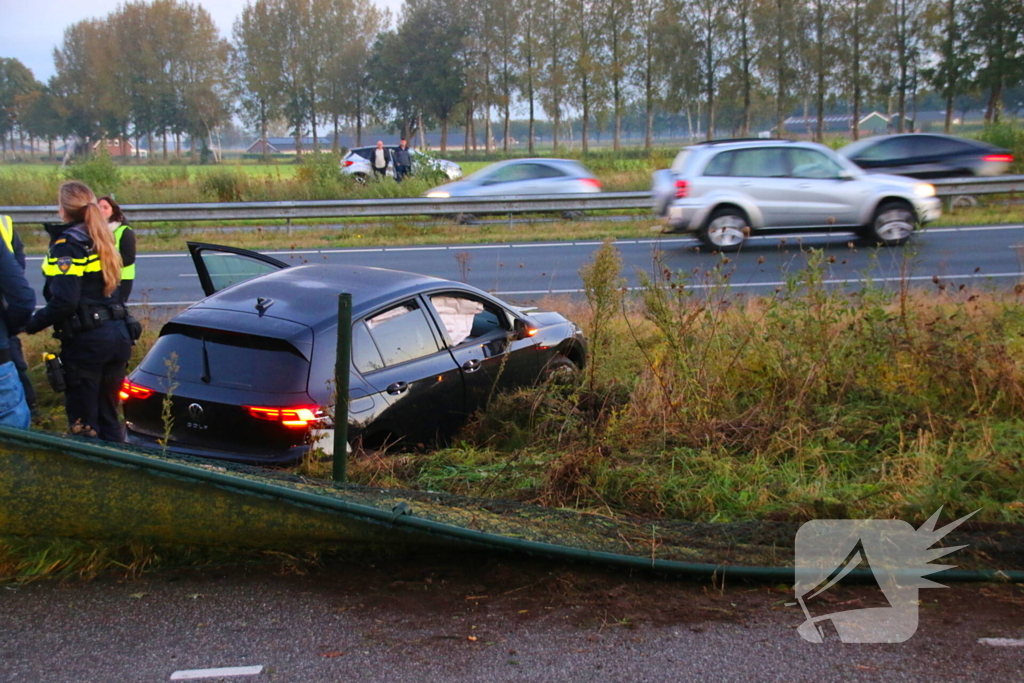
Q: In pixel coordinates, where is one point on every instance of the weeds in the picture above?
(703, 404)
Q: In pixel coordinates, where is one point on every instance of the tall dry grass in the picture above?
(700, 403)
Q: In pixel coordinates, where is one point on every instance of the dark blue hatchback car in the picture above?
(248, 372)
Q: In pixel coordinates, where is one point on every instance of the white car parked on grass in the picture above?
(357, 163)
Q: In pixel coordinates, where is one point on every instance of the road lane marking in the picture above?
(1002, 642)
(778, 283)
(223, 672)
(544, 245)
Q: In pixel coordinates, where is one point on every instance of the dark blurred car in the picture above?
(923, 155)
(248, 371)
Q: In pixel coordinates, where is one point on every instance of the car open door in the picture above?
(219, 267)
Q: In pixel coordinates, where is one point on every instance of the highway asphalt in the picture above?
(989, 256)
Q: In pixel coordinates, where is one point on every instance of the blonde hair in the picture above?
(80, 206)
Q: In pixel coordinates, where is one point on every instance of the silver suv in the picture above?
(725, 190)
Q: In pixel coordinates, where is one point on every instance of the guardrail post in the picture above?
(341, 370)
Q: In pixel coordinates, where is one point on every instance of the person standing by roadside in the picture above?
(379, 159)
(402, 160)
(83, 304)
(124, 240)
(13, 242)
(18, 303)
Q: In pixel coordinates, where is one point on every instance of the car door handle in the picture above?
(747, 183)
(472, 365)
(804, 186)
(398, 388)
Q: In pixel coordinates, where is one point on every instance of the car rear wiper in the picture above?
(205, 377)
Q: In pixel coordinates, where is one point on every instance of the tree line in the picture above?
(159, 70)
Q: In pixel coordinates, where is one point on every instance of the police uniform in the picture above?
(124, 239)
(19, 300)
(95, 342)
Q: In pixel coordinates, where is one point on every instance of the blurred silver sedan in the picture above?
(522, 176)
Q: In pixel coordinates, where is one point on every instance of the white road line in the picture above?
(1002, 642)
(223, 672)
(778, 283)
(547, 245)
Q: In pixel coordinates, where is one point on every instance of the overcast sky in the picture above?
(31, 29)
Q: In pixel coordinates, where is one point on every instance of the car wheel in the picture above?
(560, 370)
(573, 215)
(964, 201)
(360, 178)
(892, 225)
(726, 230)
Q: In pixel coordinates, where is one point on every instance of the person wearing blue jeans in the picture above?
(19, 301)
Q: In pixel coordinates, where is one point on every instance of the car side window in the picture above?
(545, 171)
(402, 333)
(510, 174)
(765, 162)
(892, 149)
(466, 319)
(810, 163)
(365, 355)
(931, 146)
(721, 165)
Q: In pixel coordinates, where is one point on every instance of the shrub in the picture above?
(321, 175)
(226, 184)
(99, 172)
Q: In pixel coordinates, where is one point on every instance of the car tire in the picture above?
(573, 215)
(892, 225)
(360, 178)
(726, 229)
(963, 201)
(560, 370)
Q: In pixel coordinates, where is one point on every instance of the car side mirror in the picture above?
(522, 329)
(846, 174)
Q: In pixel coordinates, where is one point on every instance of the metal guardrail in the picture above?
(355, 208)
(418, 206)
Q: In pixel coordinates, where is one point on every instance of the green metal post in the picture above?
(341, 370)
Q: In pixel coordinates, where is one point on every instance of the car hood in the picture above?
(901, 180)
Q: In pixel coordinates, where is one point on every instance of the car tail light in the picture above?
(348, 162)
(682, 189)
(592, 181)
(130, 389)
(298, 417)
(1008, 158)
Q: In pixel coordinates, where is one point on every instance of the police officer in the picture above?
(83, 304)
(13, 242)
(124, 240)
(19, 302)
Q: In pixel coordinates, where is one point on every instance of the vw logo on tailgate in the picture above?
(195, 415)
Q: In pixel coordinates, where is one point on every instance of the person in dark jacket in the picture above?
(13, 242)
(19, 301)
(124, 240)
(83, 304)
(402, 160)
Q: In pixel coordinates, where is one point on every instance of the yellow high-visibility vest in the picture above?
(7, 231)
(127, 272)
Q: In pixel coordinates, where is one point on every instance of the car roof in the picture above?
(309, 294)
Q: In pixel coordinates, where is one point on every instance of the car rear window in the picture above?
(364, 152)
(680, 161)
(233, 360)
